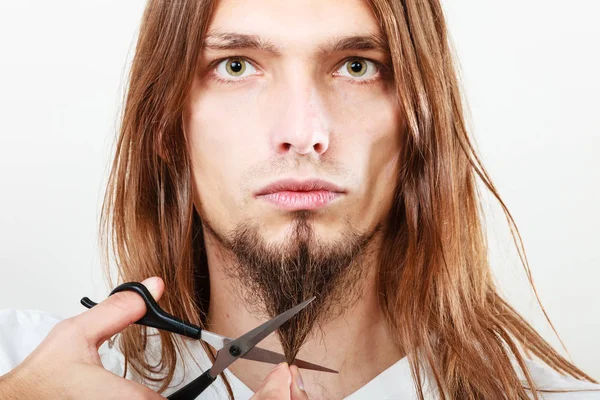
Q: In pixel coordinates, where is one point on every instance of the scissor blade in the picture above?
(268, 356)
(214, 339)
(242, 345)
(259, 354)
(252, 338)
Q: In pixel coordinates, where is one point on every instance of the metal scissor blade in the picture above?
(214, 339)
(268, 356)
(259, 354)
(242, 345)
(251, 339)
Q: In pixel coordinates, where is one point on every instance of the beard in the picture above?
(272, 278)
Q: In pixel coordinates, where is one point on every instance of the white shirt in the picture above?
(22, 330)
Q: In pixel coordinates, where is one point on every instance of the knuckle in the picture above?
(66, 327)
(70, 330)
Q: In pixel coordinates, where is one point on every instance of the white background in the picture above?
(531, 76)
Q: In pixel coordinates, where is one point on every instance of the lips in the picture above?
(294, 195)
(290, 185)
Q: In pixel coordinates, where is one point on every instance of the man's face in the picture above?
(296, 129)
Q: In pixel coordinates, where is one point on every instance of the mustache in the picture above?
(292, 165)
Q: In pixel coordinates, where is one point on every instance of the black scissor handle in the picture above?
(155, 317)
(193, 389)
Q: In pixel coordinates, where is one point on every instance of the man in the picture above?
(271, 151)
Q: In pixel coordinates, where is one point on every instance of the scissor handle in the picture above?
(193, 389)
(155, 317)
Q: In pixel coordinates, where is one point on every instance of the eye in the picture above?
(358, 68)
(235, 67)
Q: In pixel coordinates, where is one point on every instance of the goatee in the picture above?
(274, 278)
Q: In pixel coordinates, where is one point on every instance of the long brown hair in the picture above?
(435, 283)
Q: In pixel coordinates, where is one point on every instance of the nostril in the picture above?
(319, 148)
(283, 147)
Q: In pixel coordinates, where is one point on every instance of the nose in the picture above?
(302, 126)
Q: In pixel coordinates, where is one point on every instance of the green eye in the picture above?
(235, 66)
(357, 67)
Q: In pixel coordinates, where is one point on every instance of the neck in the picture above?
(356, 343)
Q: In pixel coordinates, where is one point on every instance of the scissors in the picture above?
(228, 350)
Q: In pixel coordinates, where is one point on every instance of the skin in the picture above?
(72, 345)
(297, 114)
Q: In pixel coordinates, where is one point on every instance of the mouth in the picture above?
(295, 195)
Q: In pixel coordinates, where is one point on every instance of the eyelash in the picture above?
(381, 69)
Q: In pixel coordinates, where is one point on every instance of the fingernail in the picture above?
(298, 379)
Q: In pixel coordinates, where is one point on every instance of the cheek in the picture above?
(221, 148)
(221, 124)
(368, 129)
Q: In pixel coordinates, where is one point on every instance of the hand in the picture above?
(66, 365)
(283, 383)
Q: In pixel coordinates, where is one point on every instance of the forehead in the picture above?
(290, 25)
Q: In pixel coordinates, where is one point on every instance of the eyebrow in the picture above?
(237, 41)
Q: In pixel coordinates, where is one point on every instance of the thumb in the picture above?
(116, 312)
(297, 386)
(276, 385)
